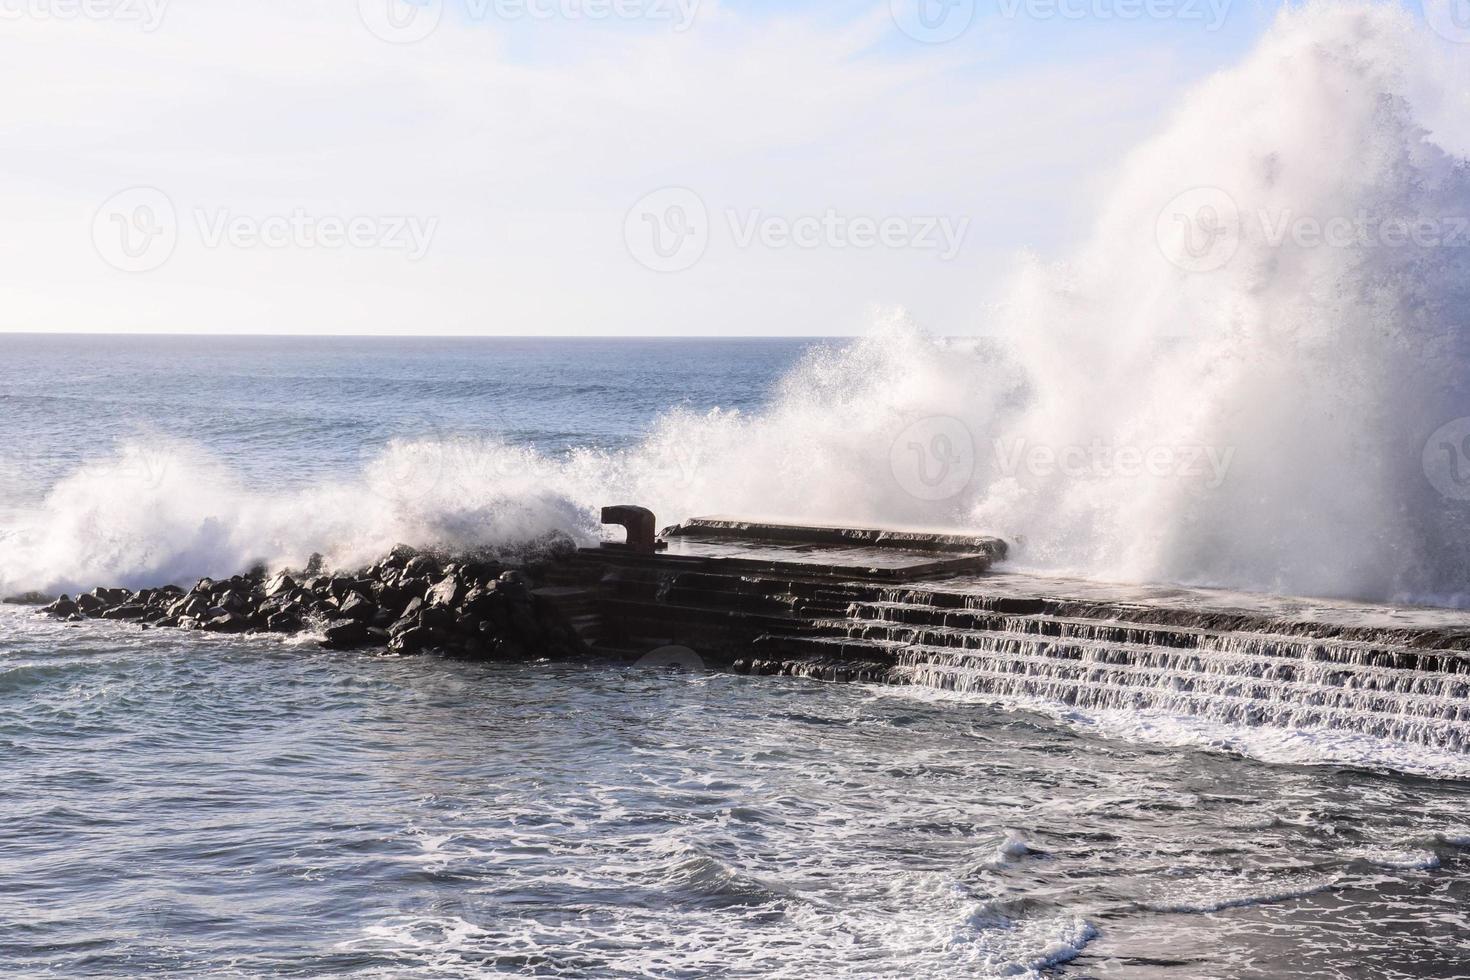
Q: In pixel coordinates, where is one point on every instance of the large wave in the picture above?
(1251, 375)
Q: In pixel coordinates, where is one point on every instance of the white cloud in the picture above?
(529, 142)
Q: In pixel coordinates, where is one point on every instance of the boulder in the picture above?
(224, 621)
(282, 583)
(411, 640)
(446, 593)
(421, 566)
(125, 612)
(285, 621)
(437, 618)
(345, 634)
(91, 604)
(27, 599)
(400, 556)
(355, 606)
(62, 608)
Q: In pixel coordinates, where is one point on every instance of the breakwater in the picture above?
(871, 605)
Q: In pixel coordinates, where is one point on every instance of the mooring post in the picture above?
(641, 526)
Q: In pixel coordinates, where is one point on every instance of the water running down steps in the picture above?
(835, 612)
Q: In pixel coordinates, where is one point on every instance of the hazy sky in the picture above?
(564, 166)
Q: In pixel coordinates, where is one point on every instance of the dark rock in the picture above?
(281, 583)
(234, 602)
(410, 640)
(223, 621)
(189, 605)
(62, 608)
(125, 612)
(204, 586)
(91, 604)
(437, 618)
(400, 556)
(27, 599)
(394, 597)
(284, 622)
(421, 566)
(355, 606)
(482, 601)
(345, 634)
(447, 593)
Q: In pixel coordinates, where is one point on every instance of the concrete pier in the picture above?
(914, 607)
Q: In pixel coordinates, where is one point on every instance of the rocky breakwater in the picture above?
(408, 603)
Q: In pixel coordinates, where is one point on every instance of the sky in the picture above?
(565, 167)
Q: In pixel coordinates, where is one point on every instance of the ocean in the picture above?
(209, 806)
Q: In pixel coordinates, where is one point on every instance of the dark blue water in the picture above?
(289, 410)
(181, 805)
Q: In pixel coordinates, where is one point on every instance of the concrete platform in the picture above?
(900, 607)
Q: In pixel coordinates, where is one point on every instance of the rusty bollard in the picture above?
(642, 533)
